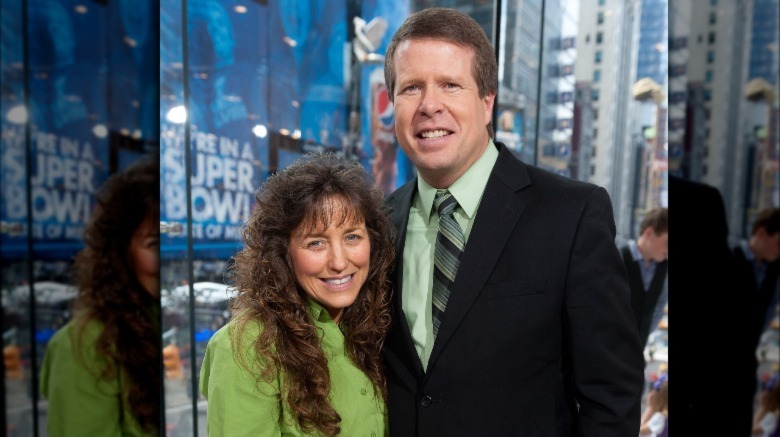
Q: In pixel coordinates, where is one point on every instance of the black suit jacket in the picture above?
(538, 338)
(703, 309)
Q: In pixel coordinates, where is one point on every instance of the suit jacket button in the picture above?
(426, 401)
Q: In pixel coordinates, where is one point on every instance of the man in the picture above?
(758, 266)
(518, 321)
(756, 285)
(646, 264)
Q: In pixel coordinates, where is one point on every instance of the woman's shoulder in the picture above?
(235, 336)
(236, 328)
(78, 334)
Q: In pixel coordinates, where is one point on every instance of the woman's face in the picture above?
(145, 256)
(331, 264)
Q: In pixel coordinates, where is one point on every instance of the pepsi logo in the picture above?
(383, 108)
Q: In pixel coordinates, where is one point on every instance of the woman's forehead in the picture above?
(332, 211)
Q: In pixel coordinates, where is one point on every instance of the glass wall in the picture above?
(619, 93)
(78, 104)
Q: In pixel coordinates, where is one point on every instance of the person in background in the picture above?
(756, 271)
(512, 311)
(766, 418)
(758, 267)
(302, 352)
(655, 419)
(101, 372)
(646, 264)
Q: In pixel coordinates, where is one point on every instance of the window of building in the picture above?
(594, 95)
(596, 76)
(595, 114)
(711, 38)
(587, 38)
(595, 135)
(597, 57)
(592, 170)
(713, 17)
(601, 2)
(599, 37)
(710, 56)
(593, 151)
(600, 18)
(709, 76)
(707, 95)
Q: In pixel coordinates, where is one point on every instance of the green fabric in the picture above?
(79, 404)
(239, 405)
(420, 242)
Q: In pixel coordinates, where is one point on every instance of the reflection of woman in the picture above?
(301, 355)
(101, 372)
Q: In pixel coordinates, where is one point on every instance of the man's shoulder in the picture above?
(510, 166)
(402, 192)
(559, 185)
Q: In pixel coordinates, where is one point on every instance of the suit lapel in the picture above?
(399, 340)
(497, 215)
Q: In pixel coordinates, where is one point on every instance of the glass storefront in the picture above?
(228, 92)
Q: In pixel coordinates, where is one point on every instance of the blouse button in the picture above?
(363, 391)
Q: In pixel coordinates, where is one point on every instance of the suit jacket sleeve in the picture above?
(606, 351)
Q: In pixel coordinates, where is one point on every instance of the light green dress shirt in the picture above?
(79, 404)
(420, 242)
(240, 406)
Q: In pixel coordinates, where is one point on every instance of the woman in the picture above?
(767, 416)
(655, 419)
(301, 355)
(101, 372)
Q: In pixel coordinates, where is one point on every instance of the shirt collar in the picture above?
(317, 311)
(746, 250)
(469, 187)
(634, 249)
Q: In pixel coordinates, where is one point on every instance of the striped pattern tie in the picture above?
(446, 258)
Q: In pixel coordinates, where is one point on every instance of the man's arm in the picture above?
(606, 353)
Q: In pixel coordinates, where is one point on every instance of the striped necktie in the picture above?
(449, 248)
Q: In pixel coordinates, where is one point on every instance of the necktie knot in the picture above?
(444, 202)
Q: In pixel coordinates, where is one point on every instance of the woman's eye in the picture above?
(315, 244)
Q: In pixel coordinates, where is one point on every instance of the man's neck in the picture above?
(640, 245)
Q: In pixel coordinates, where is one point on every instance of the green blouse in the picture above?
(240, 406)
(79, 404)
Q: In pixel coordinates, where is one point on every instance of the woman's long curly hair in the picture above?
(111, 294)
(310, 192)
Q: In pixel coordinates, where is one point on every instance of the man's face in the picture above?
(770, 245)
(656, 245)
(440, 118)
